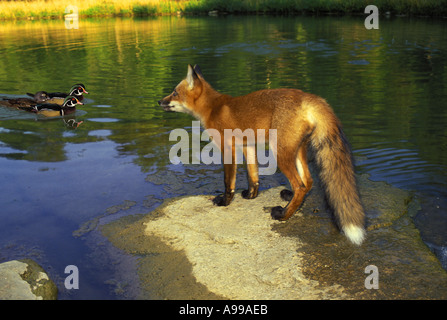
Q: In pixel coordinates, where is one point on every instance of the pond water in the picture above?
(388, 87)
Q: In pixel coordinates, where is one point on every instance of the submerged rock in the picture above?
(191, 249)
(25, 280)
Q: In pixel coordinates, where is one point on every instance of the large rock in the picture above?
(25, 280)
(191, 249)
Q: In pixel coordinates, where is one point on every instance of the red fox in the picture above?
(300, 119)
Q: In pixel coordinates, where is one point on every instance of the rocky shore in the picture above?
(190, 249)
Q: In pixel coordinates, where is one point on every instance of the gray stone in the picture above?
(25, 280)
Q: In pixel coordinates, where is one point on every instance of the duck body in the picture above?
(76, 91)
(53, 109)
(38, 97)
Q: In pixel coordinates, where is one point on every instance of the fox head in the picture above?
(183, 98)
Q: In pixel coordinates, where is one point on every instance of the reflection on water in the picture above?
(388, 87)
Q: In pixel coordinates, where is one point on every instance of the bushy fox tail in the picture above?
(334, 159)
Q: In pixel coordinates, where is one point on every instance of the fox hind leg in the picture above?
(303, 171)
(294, 166)
(302, 166)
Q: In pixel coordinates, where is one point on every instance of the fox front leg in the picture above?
(230, 184)
(253, 182)
(253, 176)
(230, 168)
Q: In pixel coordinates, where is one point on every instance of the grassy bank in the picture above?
(51, 9)
(47, 9)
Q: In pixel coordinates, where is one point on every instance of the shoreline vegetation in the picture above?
(57, 9)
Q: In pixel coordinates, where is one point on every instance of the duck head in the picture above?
(40, 96)
(71, 102)
(77, 90)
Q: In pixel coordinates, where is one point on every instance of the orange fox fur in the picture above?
(301, 119)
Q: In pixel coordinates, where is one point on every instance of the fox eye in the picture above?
(175, 93)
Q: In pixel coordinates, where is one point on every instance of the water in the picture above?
(388, 87)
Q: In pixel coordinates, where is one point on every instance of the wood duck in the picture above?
(38, 97)
(53, 109)
(76, 91)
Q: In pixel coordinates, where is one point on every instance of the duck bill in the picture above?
(78, 102)
(85, 91)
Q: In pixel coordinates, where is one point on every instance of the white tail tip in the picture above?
(355, 234)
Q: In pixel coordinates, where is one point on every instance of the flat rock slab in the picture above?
(191, 249)
(25, 280)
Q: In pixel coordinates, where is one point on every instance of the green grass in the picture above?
(410, 7)
(143, 10)
(90, 8)
(100, 9)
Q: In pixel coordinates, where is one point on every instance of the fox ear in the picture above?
(198, 71)
(191, 77)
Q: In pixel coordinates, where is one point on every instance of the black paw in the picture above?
(219, 201)
(224, 200)
(277, 213)
(286, 195)
(246, 194)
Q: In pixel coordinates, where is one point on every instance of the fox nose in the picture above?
(159, 102)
